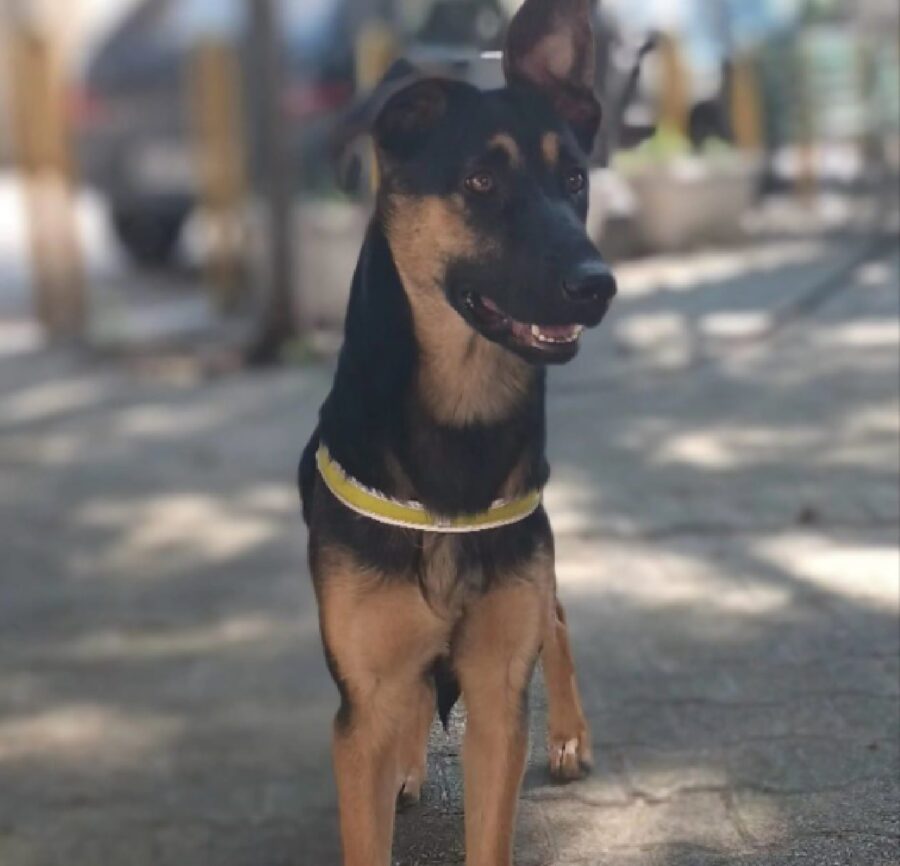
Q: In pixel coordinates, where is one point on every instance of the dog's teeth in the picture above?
(539, 334)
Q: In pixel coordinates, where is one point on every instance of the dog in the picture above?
(431, 555)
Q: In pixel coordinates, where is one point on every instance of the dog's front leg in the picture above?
(495, 656)
(381, 638)
(365, 772)
(568, 735)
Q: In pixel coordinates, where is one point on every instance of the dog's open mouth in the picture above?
(550, 339)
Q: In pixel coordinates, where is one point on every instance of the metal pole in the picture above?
(278, 323)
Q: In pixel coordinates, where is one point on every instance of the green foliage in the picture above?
(665, 145)
(668, 145)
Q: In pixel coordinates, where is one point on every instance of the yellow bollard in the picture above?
(376, 49)
(674, 96)
(219, 157)
(42, 151)
(746, 105)
(807, 181)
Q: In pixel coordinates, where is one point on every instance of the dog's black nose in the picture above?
(590, 284)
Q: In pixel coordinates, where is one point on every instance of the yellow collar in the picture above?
(414, 515)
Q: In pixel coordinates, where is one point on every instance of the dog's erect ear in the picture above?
(410, 115)
(550, 45)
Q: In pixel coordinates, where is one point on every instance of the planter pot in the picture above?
(692, 202)
(327, 239)
(329, 236)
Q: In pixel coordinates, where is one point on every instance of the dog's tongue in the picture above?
(488, 304)
(521, 330)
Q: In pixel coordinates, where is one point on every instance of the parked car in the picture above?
(132, 112)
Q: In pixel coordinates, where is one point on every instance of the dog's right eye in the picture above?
(481, 183)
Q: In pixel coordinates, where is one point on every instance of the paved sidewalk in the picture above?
(726, 507)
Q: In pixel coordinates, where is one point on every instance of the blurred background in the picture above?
(154, 148)
(184, 188)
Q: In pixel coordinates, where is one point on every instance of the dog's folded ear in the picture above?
(358, 119)
(550, 45)
(410, 115)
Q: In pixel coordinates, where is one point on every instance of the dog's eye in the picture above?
(482, 182)
(575, 180)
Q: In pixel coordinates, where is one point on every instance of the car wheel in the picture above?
(150, 239)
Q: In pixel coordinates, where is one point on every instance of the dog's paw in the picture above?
(571, 757)
(410, 793)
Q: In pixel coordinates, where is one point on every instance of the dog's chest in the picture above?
(451, 571)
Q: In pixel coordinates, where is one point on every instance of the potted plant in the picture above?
(686, 198)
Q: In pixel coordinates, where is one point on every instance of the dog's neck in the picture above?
(461, 377)
(423, 407)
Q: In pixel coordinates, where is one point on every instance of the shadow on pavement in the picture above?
(727, 537)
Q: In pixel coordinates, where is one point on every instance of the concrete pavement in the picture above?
(726, 507)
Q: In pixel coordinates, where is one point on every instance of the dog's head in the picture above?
(484, 194)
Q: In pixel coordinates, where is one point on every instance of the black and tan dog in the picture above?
(431, 554)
